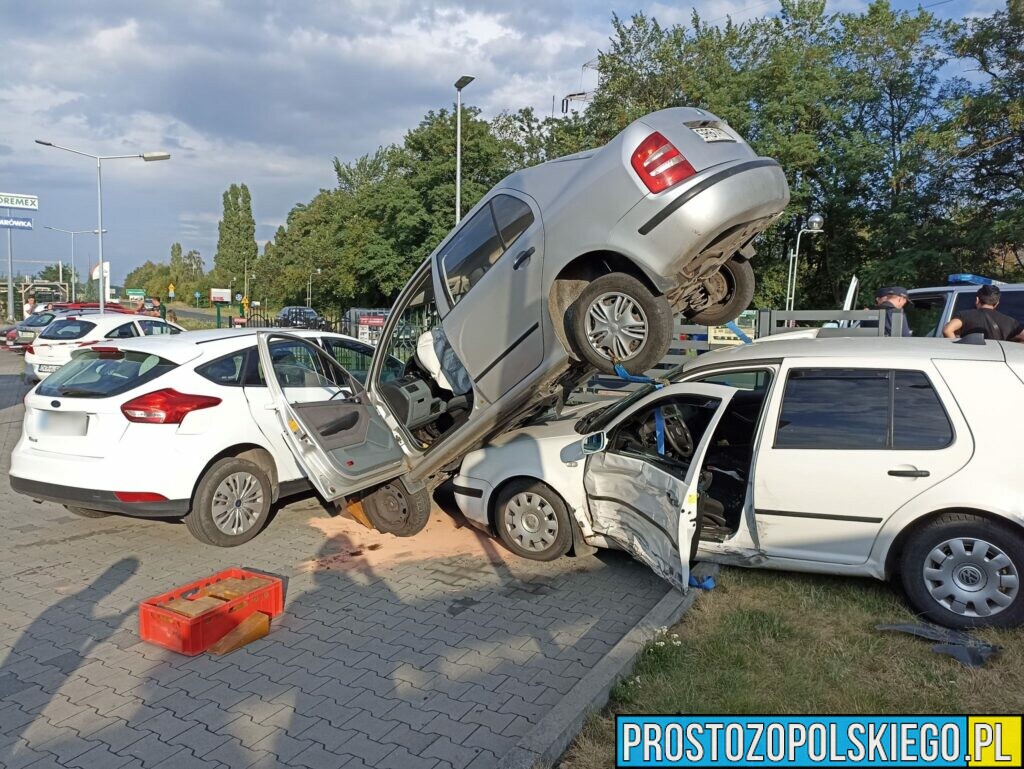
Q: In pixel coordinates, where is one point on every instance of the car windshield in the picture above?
(67, 329)
(40, 319)
(101, 373)
(601, 418)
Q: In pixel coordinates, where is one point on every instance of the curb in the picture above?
(542, 745)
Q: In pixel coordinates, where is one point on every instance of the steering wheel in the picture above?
(678, 434)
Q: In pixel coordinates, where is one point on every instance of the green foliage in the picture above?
(917, 172)
(236, 241)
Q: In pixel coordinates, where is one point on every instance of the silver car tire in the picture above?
(964, 571)
(532, 520)
(617, 316)
(231, 504)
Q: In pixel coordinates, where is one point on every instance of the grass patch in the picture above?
(772, 642)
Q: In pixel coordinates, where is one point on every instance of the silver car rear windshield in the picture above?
(103, 372)
(67, 329)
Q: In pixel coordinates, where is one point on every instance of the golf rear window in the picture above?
(100, 374)
(67, 329)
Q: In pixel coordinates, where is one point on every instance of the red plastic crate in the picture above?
(193, 635)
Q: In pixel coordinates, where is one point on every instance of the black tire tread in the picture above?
(743, 294)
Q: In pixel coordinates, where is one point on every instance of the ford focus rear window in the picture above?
(67, 329)
(103, 373)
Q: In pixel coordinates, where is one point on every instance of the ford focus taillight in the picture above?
(659, 164)
(165, 407)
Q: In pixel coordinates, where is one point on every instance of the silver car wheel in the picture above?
(237, 503)
(616, 326)
(971, 577)
(531, 521)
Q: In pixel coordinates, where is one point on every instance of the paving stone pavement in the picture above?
(438, 652)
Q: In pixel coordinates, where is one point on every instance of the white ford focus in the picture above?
(178, 426)
(52, 348)
(887, 458)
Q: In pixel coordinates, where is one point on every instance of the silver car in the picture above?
(568, 266)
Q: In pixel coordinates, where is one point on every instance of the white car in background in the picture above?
(53, 346)
(181, 426)
(891, 459)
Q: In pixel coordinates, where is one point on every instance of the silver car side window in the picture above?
(470, 253)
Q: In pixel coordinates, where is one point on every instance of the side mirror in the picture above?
(595, 443)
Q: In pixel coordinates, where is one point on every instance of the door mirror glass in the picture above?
(595, 443)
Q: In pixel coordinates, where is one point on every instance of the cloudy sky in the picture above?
(265, 92)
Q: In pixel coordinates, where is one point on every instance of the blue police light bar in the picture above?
(970, 279)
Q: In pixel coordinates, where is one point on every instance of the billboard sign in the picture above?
(15, 223)
(16, 200)
(220, 295)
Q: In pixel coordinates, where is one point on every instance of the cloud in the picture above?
(266, 92)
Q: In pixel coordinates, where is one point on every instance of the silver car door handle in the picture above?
(909, 473)
(522, 257)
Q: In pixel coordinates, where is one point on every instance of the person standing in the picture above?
(29, 307)
(890, 299)
(985, 319)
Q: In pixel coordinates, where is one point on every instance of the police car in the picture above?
(934, 307)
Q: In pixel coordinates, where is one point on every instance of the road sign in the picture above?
(197, 295)
(15, 200)
(15, 223)
(170, 288)
(135, 293)
(238, 297)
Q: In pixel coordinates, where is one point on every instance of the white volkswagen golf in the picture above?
(178, 426)
(891, 459)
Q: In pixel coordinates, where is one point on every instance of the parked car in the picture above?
(180, 426)
(53, 346)
(31, 327)
(840, 456)
(934, 307)
(300, 317)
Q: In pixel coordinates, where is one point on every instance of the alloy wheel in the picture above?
(237, 503)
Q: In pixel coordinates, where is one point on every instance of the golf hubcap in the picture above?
(616, 326)
(237, 503)
(530, 521)
(971, 577)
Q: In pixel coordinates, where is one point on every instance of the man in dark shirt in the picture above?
(985, 320)
(890, 299)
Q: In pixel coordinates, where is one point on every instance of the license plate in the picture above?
(710, 134)
(47, 368)
(62, 424)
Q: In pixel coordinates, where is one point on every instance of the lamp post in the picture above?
(147, 156)
(72, 233)
(461, 83)
(815, 223)
(309, 288)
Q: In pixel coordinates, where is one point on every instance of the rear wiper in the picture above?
(73, 392)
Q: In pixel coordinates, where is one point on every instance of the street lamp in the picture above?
(147, 156)
(72, 233)
(815, 223)
(309, 288)
(461, 83)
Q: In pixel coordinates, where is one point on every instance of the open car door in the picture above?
(644, 485)
(341, 442)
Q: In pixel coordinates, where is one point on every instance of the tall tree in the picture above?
(236, 241)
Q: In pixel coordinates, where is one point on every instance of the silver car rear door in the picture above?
(340, 441)
(641, 501)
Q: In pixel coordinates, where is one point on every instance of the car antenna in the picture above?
(975, 338)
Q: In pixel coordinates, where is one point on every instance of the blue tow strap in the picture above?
(659, 418)
(731, 325)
